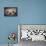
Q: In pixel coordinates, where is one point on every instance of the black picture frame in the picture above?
(10, 11)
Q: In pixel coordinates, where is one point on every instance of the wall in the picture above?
(29, 12)
(34, 12)
(8, 24)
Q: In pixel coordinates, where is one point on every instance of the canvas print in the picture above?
(10, 11)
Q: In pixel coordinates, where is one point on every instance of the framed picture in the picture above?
(10, 11)
(33, 32)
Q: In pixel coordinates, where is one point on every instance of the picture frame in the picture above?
(10, 11)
